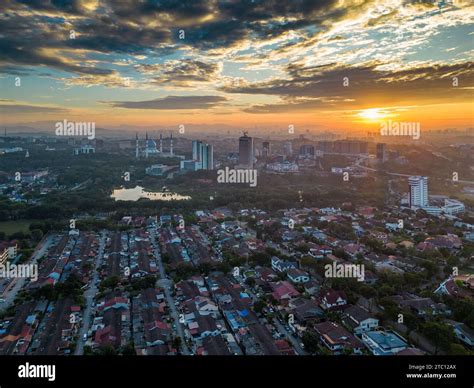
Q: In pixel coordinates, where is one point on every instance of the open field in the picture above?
(10, 227)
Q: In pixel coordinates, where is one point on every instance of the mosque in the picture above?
(151, 149)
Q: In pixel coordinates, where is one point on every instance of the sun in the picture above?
(372, 114)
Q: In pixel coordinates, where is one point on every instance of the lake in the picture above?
(136, 193)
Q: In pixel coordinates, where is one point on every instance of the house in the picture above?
(336, 338)
(458, 286)
(298, 276)
(306, 310)
(384, 343)
(312, 287)
(266, 274)
(353, 249)
(359, 320)
(282, 266)
(425, 306)
(284, 291)
(332, 299)
(203, 327)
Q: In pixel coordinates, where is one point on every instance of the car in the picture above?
(84, 337)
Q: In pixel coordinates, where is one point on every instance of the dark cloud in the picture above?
(311, 87)
(33, 30)
(172, 103)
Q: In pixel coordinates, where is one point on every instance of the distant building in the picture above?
(207, 157)
(418, 191)
(266, 151)
(307, 151)
(246, 151)
(203, 157)
(288, 148)
(352, 147)
(381, 152)
(190, 165)
(85, 149)
(283, 167)
(157, 169)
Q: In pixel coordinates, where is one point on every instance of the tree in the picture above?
(458, 350)
(310, 341)
(250, 282)
(440, 334)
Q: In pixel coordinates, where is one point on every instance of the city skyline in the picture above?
(335, 65)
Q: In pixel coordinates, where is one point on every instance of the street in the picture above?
(166, 285)
(89, 296)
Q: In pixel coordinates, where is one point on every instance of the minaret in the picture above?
(137, 150)
(161, 143)
(146, 145)
(171, 144)
(27, 155)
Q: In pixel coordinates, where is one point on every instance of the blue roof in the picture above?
(30, 319)
(386, 340)
(243, 313)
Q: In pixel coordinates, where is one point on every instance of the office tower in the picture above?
(203, 156)
(171, 144)
(381, 152)
(246, 151)
(197, 150)
(307, 151)
(418, 191)
(207, 156)
(161, 143)
(266, 149)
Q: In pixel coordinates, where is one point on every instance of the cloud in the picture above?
(180, 73)
(11, 109)
(172, 103)
(354, 86)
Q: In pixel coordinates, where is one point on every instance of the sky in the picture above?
(317, 64)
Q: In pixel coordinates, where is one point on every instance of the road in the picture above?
(281, 328)
(20, 282)
(166, 285)
(289, 337)
(89, 296)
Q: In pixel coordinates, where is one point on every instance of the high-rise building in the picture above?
(418, 191)
(197, 150)
(203, 155)
(207, 157)
(246, 151)
(381, 152)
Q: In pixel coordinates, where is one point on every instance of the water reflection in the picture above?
(136, 193)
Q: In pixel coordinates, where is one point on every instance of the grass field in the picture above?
(10, 227)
